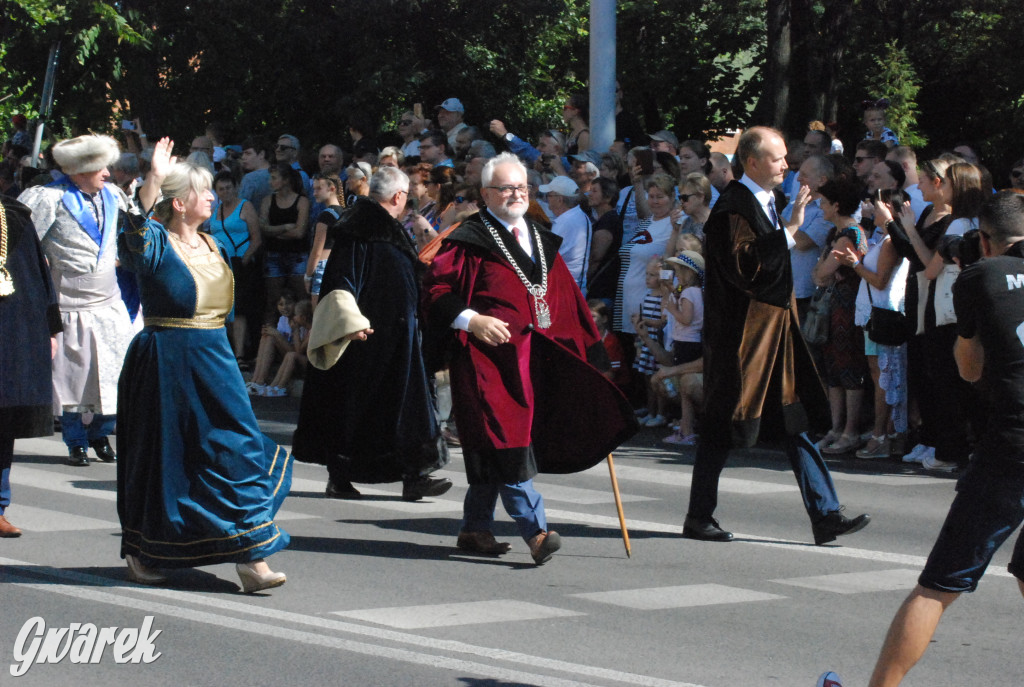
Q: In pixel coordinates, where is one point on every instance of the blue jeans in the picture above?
(77, 435)
(812, 476)
(521, 501)
(6, 456)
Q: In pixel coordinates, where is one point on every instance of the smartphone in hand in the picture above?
(645, 158)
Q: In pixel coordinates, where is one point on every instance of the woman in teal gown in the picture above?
(197, 482)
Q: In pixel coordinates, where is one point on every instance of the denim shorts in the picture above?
(318, 277)
(282, 264)
(988, 507)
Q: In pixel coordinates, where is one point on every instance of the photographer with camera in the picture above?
(989, 505)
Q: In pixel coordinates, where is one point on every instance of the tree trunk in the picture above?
(834, 33)
(805, 68)
(773, 107)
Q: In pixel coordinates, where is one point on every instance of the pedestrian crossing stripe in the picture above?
(899, 579)
(464, 613)
(684, 596)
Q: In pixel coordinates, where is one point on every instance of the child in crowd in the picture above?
(619, 375)
(295, 359)
(274, 340)
(684, 302)
(874, 120)
(653, 320)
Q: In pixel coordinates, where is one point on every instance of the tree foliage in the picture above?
(695, 66)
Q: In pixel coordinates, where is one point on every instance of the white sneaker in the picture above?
(930, 462)
(656, 421)
(915, 454)
(829, 679)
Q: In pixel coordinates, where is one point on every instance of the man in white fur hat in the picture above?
(77, 218)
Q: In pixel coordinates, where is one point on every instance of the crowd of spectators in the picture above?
(877, 229)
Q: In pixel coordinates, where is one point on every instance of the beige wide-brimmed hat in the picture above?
(86, 154)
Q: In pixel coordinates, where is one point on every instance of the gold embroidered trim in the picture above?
(200, 541)
(183, 322)
(257, 545)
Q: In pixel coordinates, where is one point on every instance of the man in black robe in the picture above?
(367, 415)
(29, 318)
(759, 376)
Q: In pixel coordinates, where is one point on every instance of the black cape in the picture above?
(370, 416)
(28, 318)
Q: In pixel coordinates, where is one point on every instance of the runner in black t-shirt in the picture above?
(989, 505)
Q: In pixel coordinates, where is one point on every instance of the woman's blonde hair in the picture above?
(700, 183)
(666, 183)
(184, 179)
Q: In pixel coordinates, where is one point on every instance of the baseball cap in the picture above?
(666, 136)
(563, 186)
(452, 105)
(588, 156)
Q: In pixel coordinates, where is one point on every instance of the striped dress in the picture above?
(650, 309)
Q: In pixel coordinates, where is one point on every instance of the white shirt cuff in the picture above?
(790, 241)
(462, 321)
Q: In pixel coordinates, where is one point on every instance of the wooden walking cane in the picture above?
(618, 506)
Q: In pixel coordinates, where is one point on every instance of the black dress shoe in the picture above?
(78, 456)
(103, 450)
(835, 524)
(704, 530)
(341, 490)
(416, 488)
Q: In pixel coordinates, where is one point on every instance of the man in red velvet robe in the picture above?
(517, 335)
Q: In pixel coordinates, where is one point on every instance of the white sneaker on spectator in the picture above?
(915, 454)
(656, 421)
(930, 462)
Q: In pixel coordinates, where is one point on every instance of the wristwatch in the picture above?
(509, 136)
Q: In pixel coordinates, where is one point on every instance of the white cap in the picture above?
(563, 186)
(452, 105)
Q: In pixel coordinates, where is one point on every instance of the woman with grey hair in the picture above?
(197, 483)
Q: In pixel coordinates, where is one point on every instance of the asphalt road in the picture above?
(377, 594)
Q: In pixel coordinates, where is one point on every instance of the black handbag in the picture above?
(816, 323)
(886, 327)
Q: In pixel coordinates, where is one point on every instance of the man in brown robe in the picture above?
(759, 375)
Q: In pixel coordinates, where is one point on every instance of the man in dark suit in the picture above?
(759, 376)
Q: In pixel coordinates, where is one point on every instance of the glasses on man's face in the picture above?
(683, 197)
(860, 159)
(506, 191)
(459, 200)
(281, 147)
(1017, 173)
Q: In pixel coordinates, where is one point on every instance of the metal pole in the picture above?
(46, 101)
(602, 74)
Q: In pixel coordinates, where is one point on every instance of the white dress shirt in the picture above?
(763, 197)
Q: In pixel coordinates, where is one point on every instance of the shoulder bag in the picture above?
(816, 323)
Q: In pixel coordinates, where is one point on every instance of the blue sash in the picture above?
(80, 208)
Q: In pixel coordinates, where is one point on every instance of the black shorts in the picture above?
(988, 507)
(686, 351)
